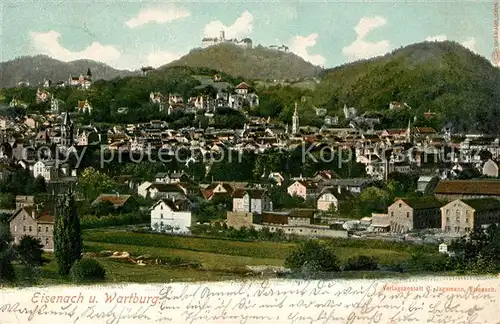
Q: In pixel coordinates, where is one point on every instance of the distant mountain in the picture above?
(37, 68)
(257, 63)
(446, 78)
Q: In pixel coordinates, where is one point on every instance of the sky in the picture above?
(131, 34)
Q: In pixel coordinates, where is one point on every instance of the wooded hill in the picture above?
(36, 68)
(256, 63)
(442, 77)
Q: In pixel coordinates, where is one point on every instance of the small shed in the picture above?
(443, 248)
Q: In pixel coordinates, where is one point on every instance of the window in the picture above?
(447, 218)
(30, 229)
(46, 241)
(407, 214)
(467, 219)
(447, 212)
(392, 214)
(24, 217)
(399, 205)
(39, 229)
(24, 228)
(457, 213)
(46, 229)
(161, 207)
(161, 215)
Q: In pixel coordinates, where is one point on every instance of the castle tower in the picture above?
(295, 121)
(222, 35)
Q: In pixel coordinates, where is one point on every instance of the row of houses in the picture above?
(458, 207)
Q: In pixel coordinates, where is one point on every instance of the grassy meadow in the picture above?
(216, 259)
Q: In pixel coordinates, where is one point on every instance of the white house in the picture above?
(46, 169)
(142, 189)
(251, 201)
(171, 216)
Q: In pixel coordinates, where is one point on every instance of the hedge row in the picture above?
(384, 245)
(91, 221)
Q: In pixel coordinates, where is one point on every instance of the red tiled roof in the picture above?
(116, 200)
(469, 187)
(242, 85)
(45, 218)
(425, 130)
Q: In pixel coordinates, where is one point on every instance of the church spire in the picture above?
(295, 120)
(408, 132)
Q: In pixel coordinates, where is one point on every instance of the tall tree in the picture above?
(67, 233)
(89, 73)
(6, 254)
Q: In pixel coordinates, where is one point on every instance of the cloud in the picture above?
(158, 15)
(159, 58)
(48, 43)
(363, 49)
(366, 25)
(242, 27)
(469, 43)
(300, 44)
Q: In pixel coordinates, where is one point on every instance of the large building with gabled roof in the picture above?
(406, 214)
(464, 215)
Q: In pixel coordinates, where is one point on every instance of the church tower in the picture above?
(295, 121)
(409, 137)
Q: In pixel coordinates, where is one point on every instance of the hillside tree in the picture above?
(67, 233)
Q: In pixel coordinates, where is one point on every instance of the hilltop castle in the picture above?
(208, 41)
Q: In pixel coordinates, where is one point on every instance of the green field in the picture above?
(219, 259)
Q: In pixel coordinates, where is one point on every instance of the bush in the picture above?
(361, 263)
(92, 221)
(312, 256)
(85, 270)
(428, 262)
(30, 251)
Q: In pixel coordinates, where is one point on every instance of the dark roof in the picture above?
(343, 195)
(469, 187)
(483, 204)
(39, 218)
(238, 193)
(302, 212)
(166, 187)
(256, 193)
(174, 205)
(422, 203)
